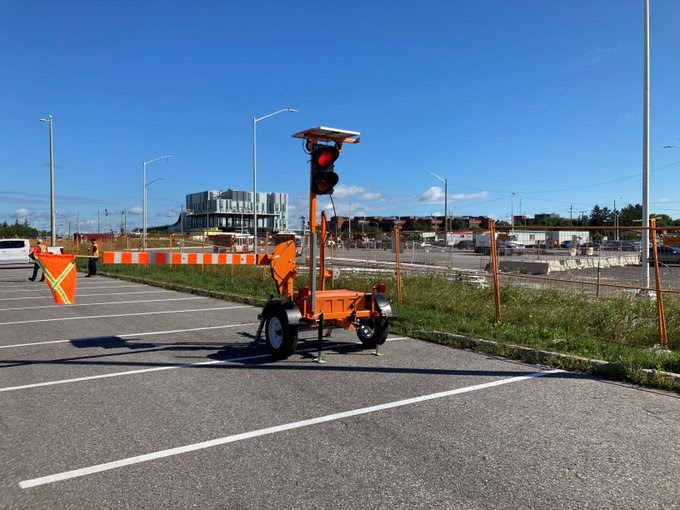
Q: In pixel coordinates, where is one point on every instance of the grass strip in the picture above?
(619, 331)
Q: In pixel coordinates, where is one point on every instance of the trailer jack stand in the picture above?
(319, 340)
(259, 332)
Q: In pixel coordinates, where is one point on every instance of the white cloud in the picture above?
(371, 196)
(470, 196)
(22, 212)
(170, 213)
(343, 191)
(433, 194)
(663, 200)
(135, 210)
(436, 194)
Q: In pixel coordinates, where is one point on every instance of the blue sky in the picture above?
(541, 98)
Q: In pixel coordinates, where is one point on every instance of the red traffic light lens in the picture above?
(326, 158)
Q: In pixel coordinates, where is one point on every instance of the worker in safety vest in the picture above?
(92, 263)
(37, 250)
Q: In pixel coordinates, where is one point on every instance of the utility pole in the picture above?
(571, 210)
(512, 211)
(616, 223)
(97, 221)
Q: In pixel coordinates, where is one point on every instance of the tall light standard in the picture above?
(255, 121)
(349, 221)
(616, 220)
(144, 186)
(645, 152)
(53, 227)
(446, 203)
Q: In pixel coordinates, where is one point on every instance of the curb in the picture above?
(614, 371)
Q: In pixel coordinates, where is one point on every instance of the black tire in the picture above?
(373, 332)
(281, 338)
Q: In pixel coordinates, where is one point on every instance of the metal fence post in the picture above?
(494, 268)
(663, 336)
(397, 243)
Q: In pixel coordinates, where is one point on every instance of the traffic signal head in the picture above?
(323, 176)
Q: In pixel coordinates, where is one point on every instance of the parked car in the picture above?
(14, 251)
(667, 255)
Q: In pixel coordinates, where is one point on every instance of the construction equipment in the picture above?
(315, 306)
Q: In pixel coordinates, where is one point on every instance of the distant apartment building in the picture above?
(232, 211)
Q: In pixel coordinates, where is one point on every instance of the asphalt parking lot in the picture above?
(137, 397)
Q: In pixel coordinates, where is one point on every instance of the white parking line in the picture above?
(45, 289)
(169, 367)
(104, 303)
(80, 295)
(88, 317)
(149, 333)
(98, 468)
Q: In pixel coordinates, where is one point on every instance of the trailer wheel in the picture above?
(281, 338)
(372, 332)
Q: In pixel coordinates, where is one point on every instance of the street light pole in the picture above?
(144, 186)
(446, 204)
(645, 154)
(349, 221)
(53, 227)
(255, 121)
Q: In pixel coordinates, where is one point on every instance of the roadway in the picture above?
(144, 398)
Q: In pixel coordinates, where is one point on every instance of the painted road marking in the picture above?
(45, 289)
(87, 317)
(104, 303)
(171, 367)
(150, 333)
(88, 295)
(98, 468)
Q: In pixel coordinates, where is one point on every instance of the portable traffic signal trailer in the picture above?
(315, 306)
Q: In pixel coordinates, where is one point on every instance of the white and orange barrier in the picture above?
(168, 258)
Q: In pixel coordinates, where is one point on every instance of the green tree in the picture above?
(630, 216)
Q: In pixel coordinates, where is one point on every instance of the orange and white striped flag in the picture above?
(60, 273)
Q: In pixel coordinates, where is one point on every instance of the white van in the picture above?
(14, 251)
